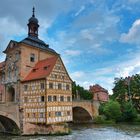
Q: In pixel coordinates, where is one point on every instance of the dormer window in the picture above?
(34, 70)
(46, 67)
(32, 57)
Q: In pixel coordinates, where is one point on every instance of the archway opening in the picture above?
(8, 126)
(80, 115)
(11, 94)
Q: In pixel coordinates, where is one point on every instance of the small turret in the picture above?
(33, 25)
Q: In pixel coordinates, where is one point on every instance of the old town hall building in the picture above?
(34, 77)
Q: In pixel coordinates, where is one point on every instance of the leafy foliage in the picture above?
(78, 90)
(125, 90)
(129, 113)
(112, 110)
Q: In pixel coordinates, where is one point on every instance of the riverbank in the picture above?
(101, 119)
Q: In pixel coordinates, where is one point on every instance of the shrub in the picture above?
(129, 113)
(102, 120)
(112, 110)
(99, 119)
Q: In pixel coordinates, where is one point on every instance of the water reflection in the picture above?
(91, 132)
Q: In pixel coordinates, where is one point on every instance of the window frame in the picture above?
(49, 98)
(50, 85)
(59, 86)
(42, 98)
(32, 57)
(61, 98)
(42, 86)
(25, 87)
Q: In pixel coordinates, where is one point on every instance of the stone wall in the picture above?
(32, 129)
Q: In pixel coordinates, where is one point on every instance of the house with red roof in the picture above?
(99, 93)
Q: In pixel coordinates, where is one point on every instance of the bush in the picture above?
(112, 110)
(129, 113)
(99, 119)
(101, 108)
(102, 120)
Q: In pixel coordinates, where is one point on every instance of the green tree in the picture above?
(127, 89)
(101, 108)
(112, 110)
(83, 93)
(129, 112)
(119, 90)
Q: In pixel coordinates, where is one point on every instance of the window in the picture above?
(57, 114)
(67, 87)
(0, 96)
(42, 99)
(42, 86)
(34, 115)
(33, 87)
(49, 98)
(25, 87)
(55, 76)
(46, 67)
(28, 115)
(61, 98)
(49, 114)
(54, 98)
(63, 77)
(34, 70)
(50, 85)
(68, 113)
(9, 73)
(59, 86)
(25, 99)
(32, 57)
(68, 99)
(41, 115)
(16, 71)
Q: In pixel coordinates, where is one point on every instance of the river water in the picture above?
(90, 132)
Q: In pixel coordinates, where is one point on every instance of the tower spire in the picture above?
(33, 12)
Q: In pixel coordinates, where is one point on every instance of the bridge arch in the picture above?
(81, 114)
(8, 124)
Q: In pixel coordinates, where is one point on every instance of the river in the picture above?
(90, 132)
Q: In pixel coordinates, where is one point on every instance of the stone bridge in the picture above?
(85, 110)
(9, 118)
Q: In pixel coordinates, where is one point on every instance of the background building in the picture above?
(99, 93)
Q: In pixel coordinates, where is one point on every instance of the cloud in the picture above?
(80, 10)
(129, 67)
(73, 52)
(78, 74)
(133, 35)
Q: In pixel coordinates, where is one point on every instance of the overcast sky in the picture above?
(97, 39)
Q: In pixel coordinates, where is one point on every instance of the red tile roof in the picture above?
(42, 69)
(97, 88)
